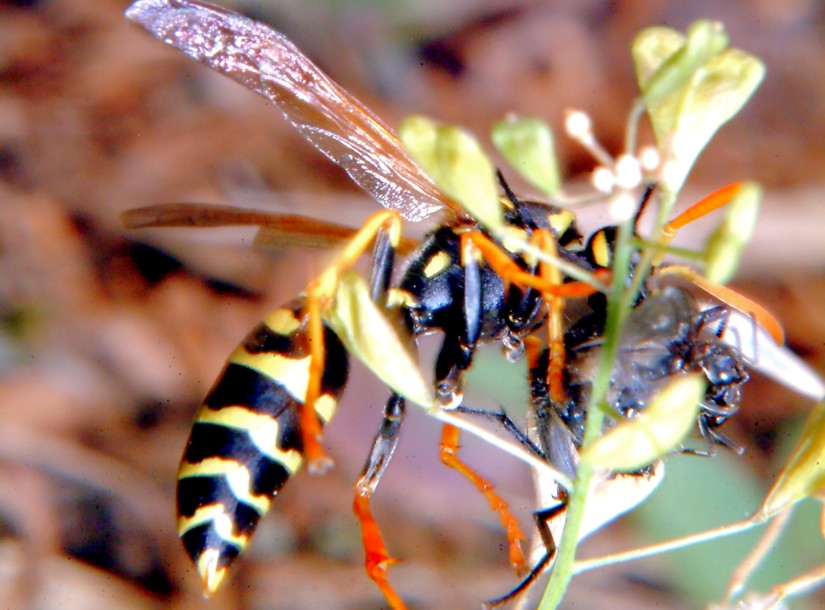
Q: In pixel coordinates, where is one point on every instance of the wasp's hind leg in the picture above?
(383, 228)
(378, 560)
(507, 424)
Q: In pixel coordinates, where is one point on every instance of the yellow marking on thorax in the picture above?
(292, 373)
(263, 429)
(560, 221)
(237, 476)
(282, 321)
(437, 264)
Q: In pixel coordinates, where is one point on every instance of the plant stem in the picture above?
(617, 309)
(666, 547)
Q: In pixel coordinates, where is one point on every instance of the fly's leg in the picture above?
(543, 519)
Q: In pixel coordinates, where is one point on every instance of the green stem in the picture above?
(686, 253)
(666, 201)
(617, 309)
(668, 546)
(631, 137)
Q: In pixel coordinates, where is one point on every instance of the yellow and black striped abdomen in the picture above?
(246, 440)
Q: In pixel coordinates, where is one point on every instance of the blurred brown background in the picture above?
(109, 340)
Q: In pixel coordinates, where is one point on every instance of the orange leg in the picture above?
(549, 282)
(555, 327)
(377, 558)
(701, 208)
(502, 263)
(712, 202)
(319, 294)
(731, 297)
(449, 456)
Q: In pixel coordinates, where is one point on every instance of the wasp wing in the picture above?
(331, 119)
(276, 230)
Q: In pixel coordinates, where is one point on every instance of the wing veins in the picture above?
(328, 116)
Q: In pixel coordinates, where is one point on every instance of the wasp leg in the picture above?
(548, 282)
(543, 519)
(701, 208)
(378, 559)
(449, 456)
(459, 345)
(730, 297)
(319, 296)
(502, 263)
(460, 339)
(710, 203)
(555, 327)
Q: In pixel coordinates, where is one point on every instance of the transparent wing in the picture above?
(333, 121)
(275, 230)
(763, 353)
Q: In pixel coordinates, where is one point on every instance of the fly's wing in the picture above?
(644, 360)
(611, 494)
(763, 353)
(331, 119)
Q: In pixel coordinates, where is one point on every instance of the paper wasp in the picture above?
(263, 416)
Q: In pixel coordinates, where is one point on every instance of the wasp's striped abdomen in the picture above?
(246, 440)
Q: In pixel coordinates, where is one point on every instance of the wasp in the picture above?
(264, 415)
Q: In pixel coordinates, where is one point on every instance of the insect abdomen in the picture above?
(246, 440)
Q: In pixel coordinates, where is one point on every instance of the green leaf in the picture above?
(804, 474)
(374, 340)
(527, 144)
(666, 60)
(691, 87)
(724, 247)
(635, 443)
(455, 161)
